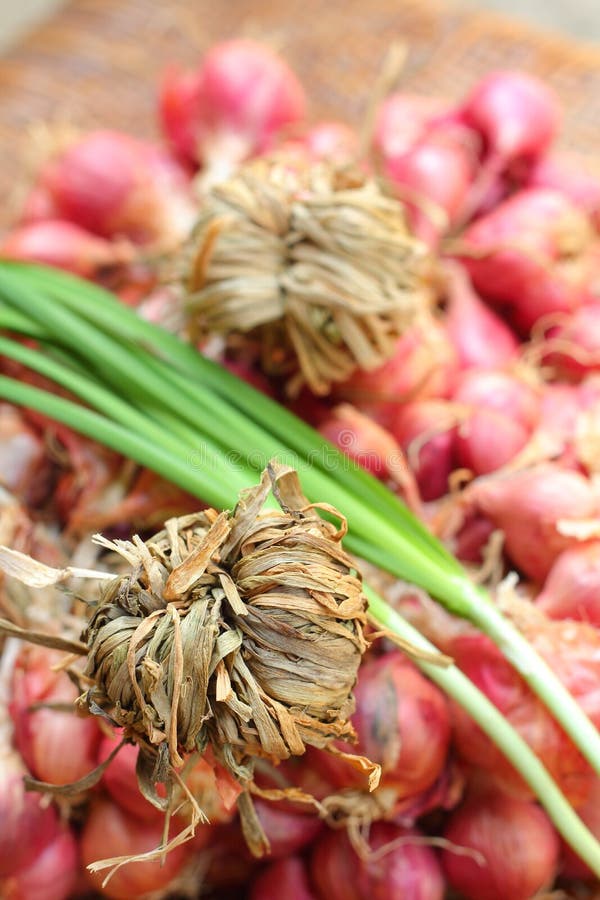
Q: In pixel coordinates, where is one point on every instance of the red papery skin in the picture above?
(27, 824)
(363, 440)
(58, 747)
(232, 106)
(229, 863)
(516, 114)
(572, 866)
(402, 722)
(115, 185)
(487, 440)
(532, 253)
(403, 119)
(501, 393)
(436, 172)
(52, 875)
(329, 140)
(109, 831)
(573, 651)
(572, 588)
(25, 467)
(481, 338)
(528, 506)
(424, 365)
(469, 543)
(64, 245)
(426, 432)
(573, 345)
(408, 870)
(120, 781)
(286, 879)
(518, 844)
(287, 830)
(568, 175)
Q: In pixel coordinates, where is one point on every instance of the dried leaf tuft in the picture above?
(317, 261)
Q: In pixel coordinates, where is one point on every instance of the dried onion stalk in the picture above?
(240, 631)
(317, 261)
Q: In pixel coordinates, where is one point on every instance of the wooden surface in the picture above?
(97, 62)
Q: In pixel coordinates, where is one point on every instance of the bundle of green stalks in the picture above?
(155, 399)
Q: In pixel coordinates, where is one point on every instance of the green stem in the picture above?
(456, 685)
(105, 311)
(186, 474)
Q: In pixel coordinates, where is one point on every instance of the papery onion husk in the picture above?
(238, 631)
(315, 260)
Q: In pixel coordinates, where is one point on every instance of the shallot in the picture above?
(110, 832)
(400, 864)
(52, 875)
(64, 245)
(499, 847)
(231, 107)
(286, 878)
(113, 184)
(530, 253)
(481, 338)
(572, 588)
(532, 507)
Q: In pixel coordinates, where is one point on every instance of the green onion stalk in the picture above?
(155, 399)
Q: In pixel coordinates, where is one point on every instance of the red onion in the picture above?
(530, 253)
(402, 723)
(115, 185)
(573, 346)
(472, 537)
(286, 879)
(572, 588)
(572, 649)
(423, 365)
(58, 747)
(481, 338)
(120, 781)
(406, 868)
(110, 832)
(332, 141)
(229, 863)
(363, 440)
(514, 848)
(487, 440)
(231, 107)
(63, 245)
(27, 823)
(529, 506)
(425, 429)
(26, 470)
(560, 405)
(433, 178)
(517, 115)
(52, 875)
(287, 831)
(403, 120)
(568, 175)
(501, 392)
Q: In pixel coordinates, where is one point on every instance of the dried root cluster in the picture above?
(316, 261)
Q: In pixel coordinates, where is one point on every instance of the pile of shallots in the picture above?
(486, 421)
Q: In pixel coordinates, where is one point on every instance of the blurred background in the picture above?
(578, 18)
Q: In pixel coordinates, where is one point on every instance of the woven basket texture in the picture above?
(97, 63)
